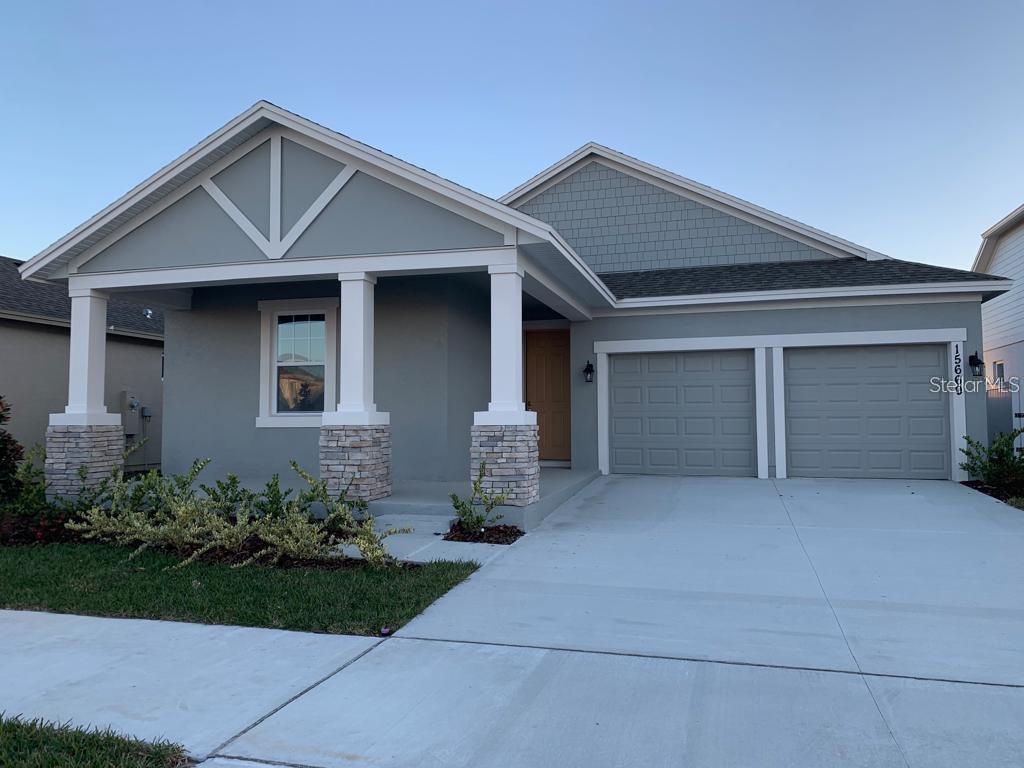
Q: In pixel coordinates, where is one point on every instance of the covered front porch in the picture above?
(327, 303)
(393, 385)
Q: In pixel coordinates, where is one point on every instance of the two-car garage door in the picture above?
(849, 412)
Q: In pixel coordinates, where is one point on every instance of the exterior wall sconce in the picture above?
(588, 372)
(977, 364)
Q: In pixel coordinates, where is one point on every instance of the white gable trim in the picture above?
(502, 218)
(990, 238)
(680, 185)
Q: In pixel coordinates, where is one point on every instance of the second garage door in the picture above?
(867, 412)
(683, 413)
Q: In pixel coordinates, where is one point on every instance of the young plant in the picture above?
(998, 464)
(477, 512)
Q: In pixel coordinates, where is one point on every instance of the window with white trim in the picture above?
(298, 361)
(999, 371)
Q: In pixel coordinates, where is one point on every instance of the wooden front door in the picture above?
(547, 390)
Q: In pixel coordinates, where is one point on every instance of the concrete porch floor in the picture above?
(557, 485)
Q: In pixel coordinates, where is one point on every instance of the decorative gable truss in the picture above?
(278, 239)
(274, 187)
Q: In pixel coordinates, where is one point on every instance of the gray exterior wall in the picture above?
(872, 318)
(617, 223)
(431, 374)
(34, 379)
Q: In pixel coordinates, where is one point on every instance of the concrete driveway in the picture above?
(703, 622)
(917, 579)
(649, 621)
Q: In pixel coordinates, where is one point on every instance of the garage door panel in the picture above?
(623, 426)
(736, 426)
(736, 393)
(697, 362)
(662, 395)
(873, 416)
(926, 426)
(663, 426)
(735, 361)
(626, 395)
(695, 412)
(662, 364)
(699, 427)
(625, 364)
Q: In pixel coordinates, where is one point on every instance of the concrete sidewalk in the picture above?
(194, 684)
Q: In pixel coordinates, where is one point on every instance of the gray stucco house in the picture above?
(330, 303)
(35, 321)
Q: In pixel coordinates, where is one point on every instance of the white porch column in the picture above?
(355, 377)
(355, 440)
(506, 406)
(505, 437)
(85, 444)
(87, 362)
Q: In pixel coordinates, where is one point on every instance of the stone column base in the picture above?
(512, 458)
(97, 448)
(357, 460)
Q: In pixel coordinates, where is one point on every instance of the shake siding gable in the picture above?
(617, 222)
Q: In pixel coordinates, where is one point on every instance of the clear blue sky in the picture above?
(894, 124)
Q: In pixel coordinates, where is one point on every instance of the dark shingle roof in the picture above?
(51, 301)
(824, 273)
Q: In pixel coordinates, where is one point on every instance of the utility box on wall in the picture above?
(131, 414)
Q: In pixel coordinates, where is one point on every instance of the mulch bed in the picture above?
(29, 529)
(996, 492)
(494, 534)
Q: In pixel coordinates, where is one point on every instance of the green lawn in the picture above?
(99, 580)
(35, 744)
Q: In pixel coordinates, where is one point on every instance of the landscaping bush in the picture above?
(26, 517)
(226, 521)
(477, 512)
(11, 454)
(997, 465)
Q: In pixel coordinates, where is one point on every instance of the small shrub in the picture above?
(27, 516)
(11, 455)
(998, 464)
(244, 526)
(477, 512)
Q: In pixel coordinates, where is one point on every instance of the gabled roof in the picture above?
(681, 185)
(257, 118)
(991, 236)
(49, 303)
(793, 275)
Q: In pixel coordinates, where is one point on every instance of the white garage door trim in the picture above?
(778, 342)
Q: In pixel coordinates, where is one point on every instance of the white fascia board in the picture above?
(170, 170)
(692, 189)
(909, 289)
(264, 110)
(826, 303)
(825, 339)
(990, 237)
(284, 269)
(984, 255)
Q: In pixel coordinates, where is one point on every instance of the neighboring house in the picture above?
(34, 330)
(1002, 253)
(338, 306)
